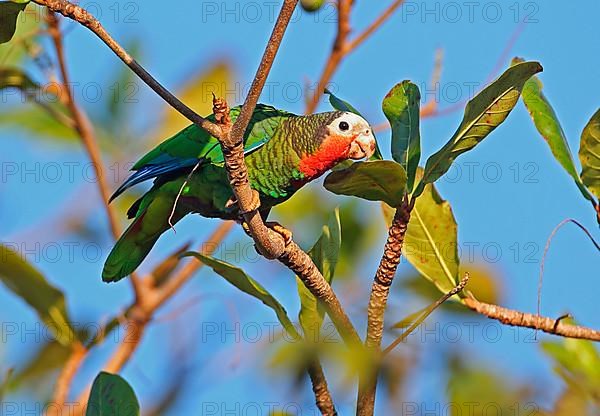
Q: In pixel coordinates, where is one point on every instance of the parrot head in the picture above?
(345, 136)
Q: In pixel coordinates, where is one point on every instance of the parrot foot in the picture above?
(275, 226)
(282, 231)
(254, 203)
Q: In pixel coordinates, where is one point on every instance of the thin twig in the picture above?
(80, 15)
(342, 46)
(139, 316)
(547, 247)
(529, 320)
(338, 52)
(270, 243)
(67, 373)
(387, 13)
(428, 311)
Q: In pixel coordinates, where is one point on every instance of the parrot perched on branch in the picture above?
(283, 152)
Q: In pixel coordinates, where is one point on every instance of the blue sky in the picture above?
(507, 195)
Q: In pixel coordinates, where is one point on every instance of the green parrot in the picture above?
(283, 152)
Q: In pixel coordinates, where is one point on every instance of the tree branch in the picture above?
(358, 40)
(428, 311)
(80, 15)
(270, 243)
(378, 303)
(342, 46)
(140, 314)
(529, 320)
(67, 373)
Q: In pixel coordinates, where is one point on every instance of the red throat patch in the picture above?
(333, 150)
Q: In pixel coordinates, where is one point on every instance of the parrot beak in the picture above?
(362, 146)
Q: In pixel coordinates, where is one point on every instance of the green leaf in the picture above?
(473, 389)
(589, 154)
(29, 284)
(25, 40)
(431, 242)
(49, 358)
(9, 11)
(39, 123)
(486, 111)
(547, 124)
(4, 383)
(378, 180)
(238, 278)
(312, 5)
(111, 395)
(15, 78)
(197, 92)
(325, 254)
(342, 105)
(401, 107)
(577, 361)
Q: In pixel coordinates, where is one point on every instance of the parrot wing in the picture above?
(194, 145)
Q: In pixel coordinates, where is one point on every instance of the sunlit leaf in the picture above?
(4, 383)
(238, 278)
(378, 180)
(39, 123)
(325, 254)
(483, 284)
(589, 154)
(342, 105)
(197, 93)
(123, 97)
(577, 361)
(547, 124)
(401, 107)
(163, 271)
(26, 282)
(476, 390)
(25, 40)
(16, 78)
(111, 395)
(430, 244)
(486, 111)
(573, 401)
(9, 12)
(49, 358)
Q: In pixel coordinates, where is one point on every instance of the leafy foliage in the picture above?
(9, 12)
(378, 180)
(238, 278)
(401, 107)
(430, 243)
(111, 395)
(486, 111)
(578, 363)
(325, 254)
(197, 91)
(546, 122)
(29, 284)
(589, 154)
(477, 391)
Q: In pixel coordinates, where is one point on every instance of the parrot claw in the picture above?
(282, 231)
(275, 226)
(254, 203)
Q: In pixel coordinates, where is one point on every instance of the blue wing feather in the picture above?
(151, 171)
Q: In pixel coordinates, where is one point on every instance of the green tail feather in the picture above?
(139, 238)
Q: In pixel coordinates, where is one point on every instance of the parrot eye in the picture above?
(344, 126)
